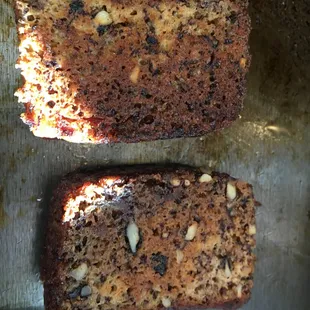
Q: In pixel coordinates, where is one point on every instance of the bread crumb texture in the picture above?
(99, 71)
(130, 241)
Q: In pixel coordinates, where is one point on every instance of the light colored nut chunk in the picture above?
(227, 270)
(252, 230)
(133, 236)
(103, 18)
(191, 232)
(187, 183)
(205, 178)
(175, 182)
(243, 62)
(134, 76)
(157, 287)
(165, 235)
(79, 272)
(166, 302)
(166, 44)
(180, 256)
(239, 290)
(231, 191)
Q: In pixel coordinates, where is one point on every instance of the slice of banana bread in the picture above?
(149, 238)
(99, 71)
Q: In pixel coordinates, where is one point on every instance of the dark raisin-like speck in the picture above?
(151, 40)
(75, 292)
(102, 29)
(76, 6)
(159, 263)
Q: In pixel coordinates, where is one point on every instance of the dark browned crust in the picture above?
(197, 89)
(54, 262)
(51, 263)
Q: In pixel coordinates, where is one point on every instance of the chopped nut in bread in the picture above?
(231, 191)
(103, 18)
(205, 178)
(79, 272)
(133, 235)
(191, 232)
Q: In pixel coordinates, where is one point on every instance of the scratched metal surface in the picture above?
(269, 147)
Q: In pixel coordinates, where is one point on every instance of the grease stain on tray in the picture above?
(33, 198)
(21, 213)
(3, 215)
(29, 151)
(7, 22)
(12, 163)
(5, 130)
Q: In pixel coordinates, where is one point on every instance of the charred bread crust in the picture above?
(215, 267)
(159, 70)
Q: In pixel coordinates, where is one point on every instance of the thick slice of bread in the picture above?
(99, 71)
(149, 238)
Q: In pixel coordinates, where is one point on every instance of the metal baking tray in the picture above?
(269, 146)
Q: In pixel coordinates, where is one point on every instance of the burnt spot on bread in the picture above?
(159, 263)
(147, 120)
(228, 41)
(51, 63)
(102, 29)
(51, 103)
(233, 17)
(143, 259)
(151, 40)
(152, 69)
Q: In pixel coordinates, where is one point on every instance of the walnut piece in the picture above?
(134, 76)
(191, 232)
(231, 191)
(187, 183)
(166, 302)
(252, 230)
(175, 182)
(103, 18)
(205, 178)
(180, 256)
(79, 272)
(227, 270)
